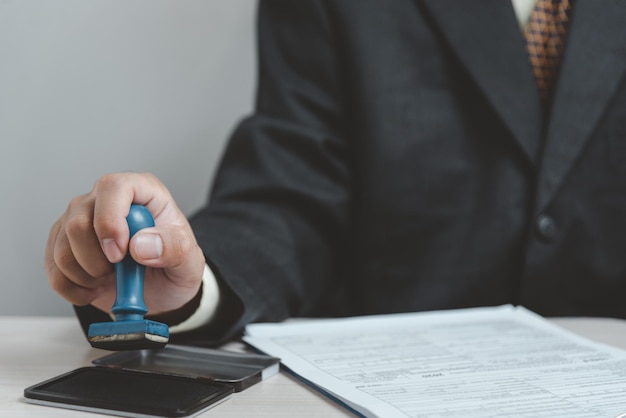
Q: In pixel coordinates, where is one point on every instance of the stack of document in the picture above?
(479, 362)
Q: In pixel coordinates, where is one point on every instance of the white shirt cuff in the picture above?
(208, 304)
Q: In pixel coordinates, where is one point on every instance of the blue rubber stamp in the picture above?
(130, 331)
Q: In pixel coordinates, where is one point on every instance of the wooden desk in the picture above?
(38, 348)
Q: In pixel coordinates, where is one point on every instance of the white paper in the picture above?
(479, 362)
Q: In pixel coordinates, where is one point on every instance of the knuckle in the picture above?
(78, 224)
(100, 270)
(150, 176)
(49, 265)
(52, 273)
(186, 244)
(64, 260)
(75, 203)
(156, 183)
(106, 226)
(108, 181)
(57, 283)
(182, 244)
(54, 231)
(51, 243)
(78, 296)
(60, 283)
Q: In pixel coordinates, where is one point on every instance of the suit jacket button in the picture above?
(546, 228)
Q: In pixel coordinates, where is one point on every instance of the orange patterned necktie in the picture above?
(546, 34)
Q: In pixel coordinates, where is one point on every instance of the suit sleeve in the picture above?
(275, 228)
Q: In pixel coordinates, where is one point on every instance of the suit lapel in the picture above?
(487, 39)
(592, 67)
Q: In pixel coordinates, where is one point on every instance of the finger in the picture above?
(113, 195)
(171, 247)
(56, 278)
(68, 289)
(48, 259)
(70, 280)
(69, 267)
(54, 275)
(83, 242)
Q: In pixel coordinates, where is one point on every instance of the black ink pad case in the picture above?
(176, 381)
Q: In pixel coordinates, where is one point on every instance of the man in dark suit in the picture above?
(399, 159)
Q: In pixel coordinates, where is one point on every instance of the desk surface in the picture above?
(38, 348)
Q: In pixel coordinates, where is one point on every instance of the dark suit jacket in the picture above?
(398, 160)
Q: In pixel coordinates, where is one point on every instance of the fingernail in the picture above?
(111, 250)
(148, 246)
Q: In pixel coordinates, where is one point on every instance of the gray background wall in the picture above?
(90, 87)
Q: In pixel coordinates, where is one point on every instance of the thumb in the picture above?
(170, 246)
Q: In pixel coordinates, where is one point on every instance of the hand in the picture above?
(93, 233)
